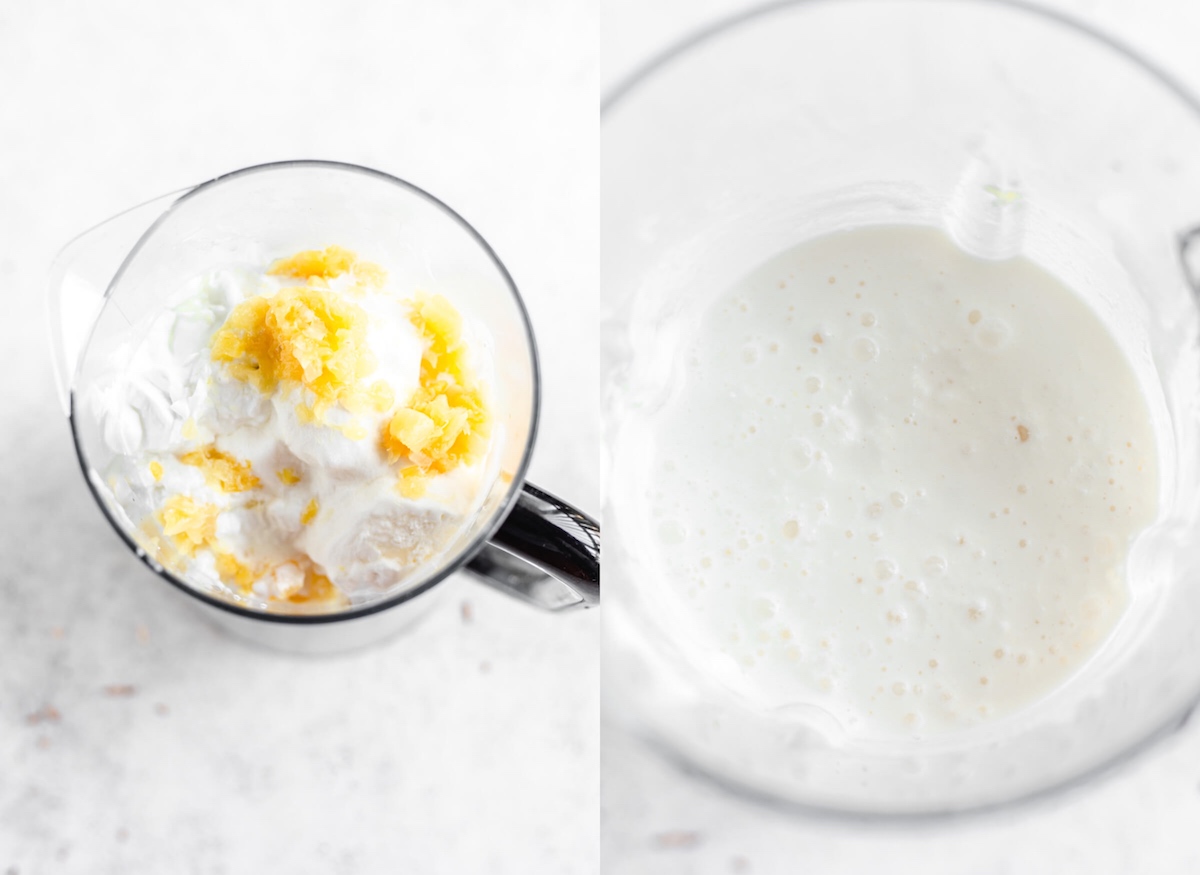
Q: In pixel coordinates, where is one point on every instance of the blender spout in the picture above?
(987, 213)
(80, 276)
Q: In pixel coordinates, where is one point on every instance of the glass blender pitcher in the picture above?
(522, 540)
(1017, 132)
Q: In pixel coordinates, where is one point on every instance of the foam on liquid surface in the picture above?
(899, 482)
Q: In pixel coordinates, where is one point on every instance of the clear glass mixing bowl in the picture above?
(1017, 131)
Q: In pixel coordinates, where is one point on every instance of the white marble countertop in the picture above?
(133, 737)
(1140, 819)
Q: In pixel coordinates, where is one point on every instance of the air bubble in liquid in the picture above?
(992, 333)
(763, 609)
(801, 455)
(865, 349)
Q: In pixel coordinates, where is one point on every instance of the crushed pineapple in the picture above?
(310, 512)
(381, 396)
(288, 476)
(446, 423)
(308, 336)
(156, 470)
(188, 524)
(367, 276)
(221, 470)
(302, 336)
(192, 526)
(412, 482)
(316, 266)
(317, 589)
(331, 262)
(233, 570)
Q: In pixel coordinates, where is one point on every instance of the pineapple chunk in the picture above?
(331, 262)
(412, 430)
(221, 470)
(188, 524)
(288, 476)
(445, 424)
(303, 336)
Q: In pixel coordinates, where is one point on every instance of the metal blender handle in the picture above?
(542, 541)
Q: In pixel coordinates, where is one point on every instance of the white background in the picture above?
(465, 747)
(1143, 819)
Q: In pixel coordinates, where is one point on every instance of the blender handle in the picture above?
(544, 553)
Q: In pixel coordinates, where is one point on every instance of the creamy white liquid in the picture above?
(897, 482)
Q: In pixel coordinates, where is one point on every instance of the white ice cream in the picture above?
(895, 482)
(164, 396)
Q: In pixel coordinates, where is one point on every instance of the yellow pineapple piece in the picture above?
(446, 422)
(310, 512)
(221, 470)
(367, 275)
(188, 524)
(331, 262)
(234, 572)
(412, 431)
(304, 336)
(381, 396)
(156, 470)
(317, 589)
(412, 482)
(288, 476)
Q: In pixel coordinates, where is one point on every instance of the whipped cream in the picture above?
(289, 501)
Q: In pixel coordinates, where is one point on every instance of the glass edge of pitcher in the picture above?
(112, 241)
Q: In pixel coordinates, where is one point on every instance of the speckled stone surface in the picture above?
(1141, 818)
(135, 738)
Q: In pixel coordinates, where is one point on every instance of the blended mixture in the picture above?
(302, 436)
(899, 483)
